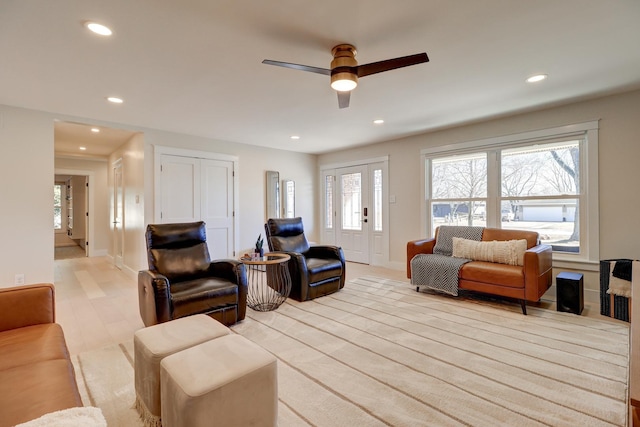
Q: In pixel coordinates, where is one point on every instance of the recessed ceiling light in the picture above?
(115, 100)
(98, 28)
(537, 78)
(95, 130)
(378, 121)
(83, 148)
(295, 137)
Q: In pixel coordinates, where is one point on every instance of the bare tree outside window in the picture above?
(539, 191)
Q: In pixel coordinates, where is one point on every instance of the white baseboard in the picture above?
(100, 252)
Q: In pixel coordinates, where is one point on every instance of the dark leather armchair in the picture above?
(315, 270)
(182, 280)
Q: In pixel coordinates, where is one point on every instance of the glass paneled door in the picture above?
(353, 213)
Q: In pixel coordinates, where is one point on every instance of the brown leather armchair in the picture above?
(182, 280)
(315, 270)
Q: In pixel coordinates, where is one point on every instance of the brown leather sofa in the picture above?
(525, 283)
(36, 373)
(183, 280)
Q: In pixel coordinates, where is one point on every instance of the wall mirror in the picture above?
(288, 198)
(273, 194)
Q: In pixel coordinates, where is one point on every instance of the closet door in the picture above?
(217, 206)
(179, 189)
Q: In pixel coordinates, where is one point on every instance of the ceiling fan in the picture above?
(345, 70)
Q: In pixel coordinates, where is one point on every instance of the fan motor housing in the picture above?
(344, 62)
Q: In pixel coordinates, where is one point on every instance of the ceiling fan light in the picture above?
(344, 82)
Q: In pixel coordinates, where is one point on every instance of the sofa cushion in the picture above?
(511, 276)
(510, 252)
(32, 344)
(30, 391)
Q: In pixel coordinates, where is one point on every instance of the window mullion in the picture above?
(493, 188)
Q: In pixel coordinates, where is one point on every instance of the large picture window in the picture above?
(544, 181)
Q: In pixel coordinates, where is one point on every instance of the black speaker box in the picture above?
(570, 292)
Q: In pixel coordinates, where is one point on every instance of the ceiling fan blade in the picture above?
(343, 99)
(317, 70)
(390, 64)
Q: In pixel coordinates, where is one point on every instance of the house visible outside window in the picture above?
(541, 190)
(543, 181)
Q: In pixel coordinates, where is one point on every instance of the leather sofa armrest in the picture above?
(298, 272)
(329, 251)
(234, 271)
(537, 271)
(229, 269)
(415, 247)
(154, 297)
(325, 251)
(26, 306)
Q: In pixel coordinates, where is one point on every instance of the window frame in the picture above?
(586, 132)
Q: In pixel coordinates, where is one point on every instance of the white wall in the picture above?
(27, 163)
(619, 171)
(100, 213)
(252, 164)
(26, 168)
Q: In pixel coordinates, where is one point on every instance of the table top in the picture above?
(270, 258)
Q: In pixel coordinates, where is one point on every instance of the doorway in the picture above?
(70, 209)
(355, 210)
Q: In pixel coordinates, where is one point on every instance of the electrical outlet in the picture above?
(19, 279)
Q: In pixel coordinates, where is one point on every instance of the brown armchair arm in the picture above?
(537, 271)
(415, 247)
(154, 297)
(27, 305)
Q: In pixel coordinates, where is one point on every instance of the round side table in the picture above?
(269, 281)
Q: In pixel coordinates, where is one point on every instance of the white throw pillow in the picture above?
(509, 252)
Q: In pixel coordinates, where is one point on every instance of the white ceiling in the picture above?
(194, 66)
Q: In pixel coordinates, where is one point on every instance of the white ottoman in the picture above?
(154, 343)
(229, 381)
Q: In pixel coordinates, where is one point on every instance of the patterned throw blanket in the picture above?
(439, 271)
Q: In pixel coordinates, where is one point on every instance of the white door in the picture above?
(353, 212)
(217, 206)
(118, 210)
(179, 189)
(193, 189)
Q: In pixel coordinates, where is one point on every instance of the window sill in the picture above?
(574, 263)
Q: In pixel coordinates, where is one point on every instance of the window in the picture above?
(537, 181)
(328, 201)
(540, 191)
(57, 206)
(351, 198)
(459, 190)
(377, 200)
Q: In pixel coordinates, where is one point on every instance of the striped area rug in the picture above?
(377, 353)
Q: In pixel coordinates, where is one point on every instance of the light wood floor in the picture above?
(97, 304)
